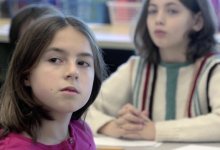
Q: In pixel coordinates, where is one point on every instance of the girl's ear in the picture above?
(27, 81)
(198, 22)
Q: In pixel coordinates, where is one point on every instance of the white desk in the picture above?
(165, 146)
(113, 36)
(108, 143)
(108, 36)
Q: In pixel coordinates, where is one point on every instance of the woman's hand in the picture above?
(130, 124)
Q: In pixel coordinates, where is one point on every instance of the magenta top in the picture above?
(81, 138)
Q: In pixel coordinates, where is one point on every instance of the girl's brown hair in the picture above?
(19, 111)
(200, 43)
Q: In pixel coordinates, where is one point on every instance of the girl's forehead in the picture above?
(69, 32)
(70, 39)
(160, 4)
(165, 2)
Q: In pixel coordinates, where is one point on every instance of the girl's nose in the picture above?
(72, 72)
(160, 18)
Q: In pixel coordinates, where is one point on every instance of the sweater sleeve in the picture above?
(115, 92)
(201, 128)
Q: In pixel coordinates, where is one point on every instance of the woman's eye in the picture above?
(55, 60)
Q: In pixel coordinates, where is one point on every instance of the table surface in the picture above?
(163, 146)
(108, 36)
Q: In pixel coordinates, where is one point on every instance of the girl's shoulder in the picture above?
(15, 141)
(136, 58)
(80, 126)
(82, 135)
(210, 59)
(133, 62)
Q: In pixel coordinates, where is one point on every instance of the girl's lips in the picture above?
(159, 33)
(70, 89)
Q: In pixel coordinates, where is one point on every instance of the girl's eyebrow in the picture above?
(171, 4)
(152, 5)
(168, 4)
(62, 51)
(53, 49)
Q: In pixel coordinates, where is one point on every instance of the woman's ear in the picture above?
(198, 22)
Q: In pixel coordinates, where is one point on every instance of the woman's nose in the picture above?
(72, 71)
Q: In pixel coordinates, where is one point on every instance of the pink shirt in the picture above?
(81, 138)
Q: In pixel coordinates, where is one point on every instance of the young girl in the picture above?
(170, 92)
(54, 76)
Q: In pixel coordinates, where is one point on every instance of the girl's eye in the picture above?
(151, 11)
(172, 11)
(55, 60)
(83, 63)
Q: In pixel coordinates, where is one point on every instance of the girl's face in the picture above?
(63, 79)
(169, 23)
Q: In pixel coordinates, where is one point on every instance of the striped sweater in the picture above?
(182, 99)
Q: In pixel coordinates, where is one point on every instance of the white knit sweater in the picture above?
(119, 89)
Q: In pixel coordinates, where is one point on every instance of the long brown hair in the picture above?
(18, 109)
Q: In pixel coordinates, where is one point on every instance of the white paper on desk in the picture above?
(114, 142)
(199, 147)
